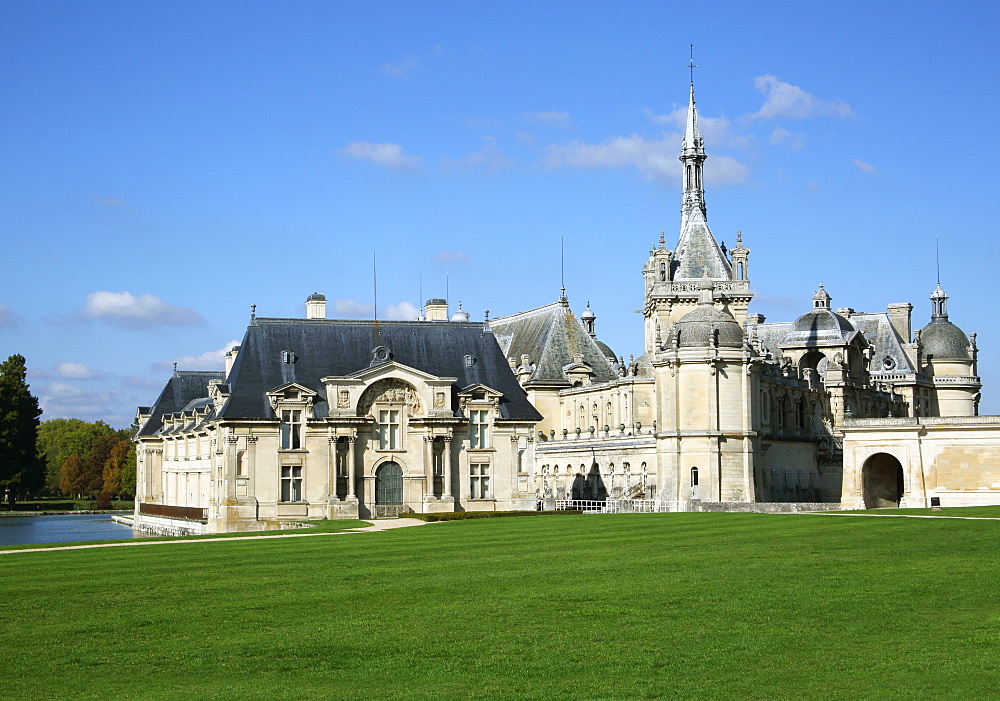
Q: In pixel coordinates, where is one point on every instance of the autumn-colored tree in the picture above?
(60, 438)
(70, 475)
(115, 470)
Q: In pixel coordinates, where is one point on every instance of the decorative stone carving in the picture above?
(343, 399)
(439, 400)
(390, 391)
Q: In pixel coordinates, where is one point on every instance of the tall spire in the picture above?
(692, 159)
(697, 253)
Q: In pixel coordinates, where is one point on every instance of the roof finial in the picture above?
(253, 312)
(692, 65)
(937, 258)
(562, 266)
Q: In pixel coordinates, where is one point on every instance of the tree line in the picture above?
(59, 456)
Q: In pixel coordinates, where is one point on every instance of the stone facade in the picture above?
(317, 418)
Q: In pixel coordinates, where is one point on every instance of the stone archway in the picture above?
(882, 481)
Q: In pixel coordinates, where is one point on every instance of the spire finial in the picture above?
(692, 65)
(739, 238)
(937, 258)
(253, 311)
(663, 239)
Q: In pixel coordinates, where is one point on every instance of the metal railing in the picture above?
(189, 513)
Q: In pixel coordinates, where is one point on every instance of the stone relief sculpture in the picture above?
(390, 391)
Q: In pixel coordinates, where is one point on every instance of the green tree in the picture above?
(21, 471)
(60, 438)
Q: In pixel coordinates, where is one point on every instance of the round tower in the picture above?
(949, 358)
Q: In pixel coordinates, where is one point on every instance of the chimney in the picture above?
(899, 317)
(231, 359)
(437, 309)
(316, 306)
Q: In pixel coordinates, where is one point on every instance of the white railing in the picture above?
(614, 506)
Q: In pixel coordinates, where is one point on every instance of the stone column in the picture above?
(352, 441)
(446, 468)
(429, 467)
(331, 492)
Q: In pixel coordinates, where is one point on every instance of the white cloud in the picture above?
(403, 68)
(60, 399)
(109, 201)
(142, 382)
(656, 160)
(786, 138)
(390, 156)
(451, 257)
(866, 167)
(70, 370)
(489, 158)
(404, 311)
(7, 320)
(209, 360)
(553, 119)
(349, 309)
(787, 100)
(718, 131)
(143, 311)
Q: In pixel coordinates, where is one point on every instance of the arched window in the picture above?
(663, 272)
(694, 476)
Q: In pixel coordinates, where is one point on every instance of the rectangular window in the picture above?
(479, 481)
(291, 483)
(388, 429)
(291, 429)
(478, 425)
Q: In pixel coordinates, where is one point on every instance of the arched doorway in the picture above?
(882, 481)
(389, 484)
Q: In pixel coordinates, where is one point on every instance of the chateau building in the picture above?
(317, 418)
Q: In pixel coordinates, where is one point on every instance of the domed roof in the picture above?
(605, 348)
(588, 313)
(706, 326)
(316, 297)
(820, 327)
(942, 339)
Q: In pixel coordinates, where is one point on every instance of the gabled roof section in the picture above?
(184, 391)
(553, 337)
(338, 348)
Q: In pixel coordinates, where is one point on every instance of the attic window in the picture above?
(288, 357)
(291, 394)
(470, 361)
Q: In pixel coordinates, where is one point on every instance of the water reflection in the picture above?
(70, 528)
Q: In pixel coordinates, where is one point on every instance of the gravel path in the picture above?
(379, 525)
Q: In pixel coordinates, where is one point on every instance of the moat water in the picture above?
(69, 528)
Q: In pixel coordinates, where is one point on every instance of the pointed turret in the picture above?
(697, 254)
(671, 277)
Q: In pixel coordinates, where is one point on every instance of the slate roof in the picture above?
(551, 336)
(185, 390)
(332, 347)
(698, 254)
(875, 327)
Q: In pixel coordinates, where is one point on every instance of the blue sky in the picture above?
(167, 164)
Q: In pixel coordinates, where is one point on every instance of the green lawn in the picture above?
(977, 511)
(595, 606)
